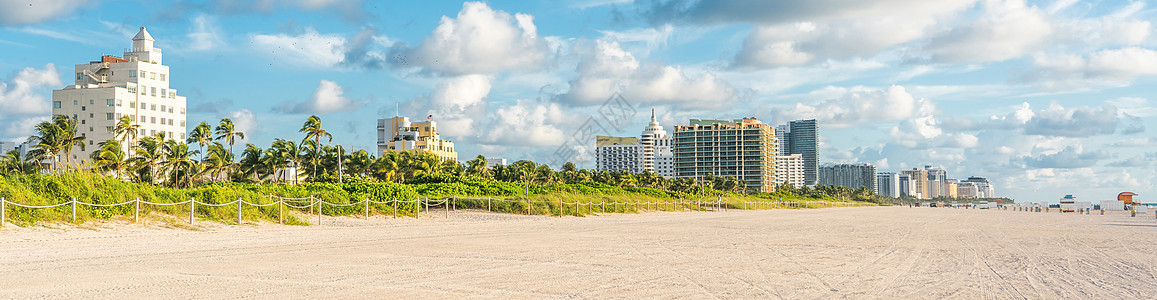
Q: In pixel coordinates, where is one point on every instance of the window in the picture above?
(110, 102)
(75, 102)
(82, 122)
(55, 104)
(108, 129)
(182, 110)
(182, 123)
(142, 120)
(153, 120)
(172, 95)
(108, 116)
(182, 135)
(120, 103)
(171, 122)
(153, 91)
(162, 108)
(91, 102)
(90, 116)
(152, 132)
(132, 104)
(143, 88)
(152, 107)
(164, 92)
(132, 89)
(142, 131)
(82, 108)
(118, 116)
(79, 76)
(162, 77)
(90, 130)
(170, 109)
(153, 75)
(162, 121)
(133, 73)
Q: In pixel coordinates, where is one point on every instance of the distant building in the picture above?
(136, 85)
(7, 146)
(801, 137)
(491, 162)
(849, 175)
(618, 154)
(657, 155)
(983, 187)
(398, 134)
(918, 183)
(744, 149)
(937, 180)
(888, 184)
(906, 186)
(966, 190)
(789, 169)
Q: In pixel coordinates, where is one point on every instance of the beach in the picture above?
(864, 252)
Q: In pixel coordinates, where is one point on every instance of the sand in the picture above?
(873, 252)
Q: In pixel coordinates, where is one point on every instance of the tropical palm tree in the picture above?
(251, 164)
(13, 163)
(312, 129)
(202, 135)
(219, 162)
(110, 158)
(386, 167)
(126, 130)
(359, 163)
(56, 138)
(228, 132)
(285, 152)
(147, 156)
(477, 167)
(179, 164)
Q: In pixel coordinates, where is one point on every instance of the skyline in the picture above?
(1036, 96)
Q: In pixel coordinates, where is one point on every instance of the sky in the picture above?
(1044, 98)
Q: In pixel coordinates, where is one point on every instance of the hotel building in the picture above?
(398, 134)
(614, 153)
(789, 169)
(744, 149)
(849, 175)
(135, 85)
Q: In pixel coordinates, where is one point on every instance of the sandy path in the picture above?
(880, 252)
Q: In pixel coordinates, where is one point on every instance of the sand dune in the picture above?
(877, 252)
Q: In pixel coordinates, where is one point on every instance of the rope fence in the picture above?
(413, 207)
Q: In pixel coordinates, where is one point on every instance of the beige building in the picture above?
(614, 153)
(744, 149)
(400, 135)
(136, 85)
(918, 182)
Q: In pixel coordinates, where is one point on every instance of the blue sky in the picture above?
(1045, 98)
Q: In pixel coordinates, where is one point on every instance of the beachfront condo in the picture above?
(744, 149)
(398, 134)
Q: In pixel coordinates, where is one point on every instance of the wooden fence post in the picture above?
(137, 211)
(281, 211)
(3, 209)
(487, 203)
(192, 209)
(238, 211)
(447, 203)
(319, 212)
(395, 210)
(367, 201)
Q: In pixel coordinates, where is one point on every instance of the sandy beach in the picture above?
(873, 252)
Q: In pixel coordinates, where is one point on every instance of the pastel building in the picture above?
(744, 149)
(135, 85)
(849, 175)
(918, 183)
(398, 134)
(789, 169)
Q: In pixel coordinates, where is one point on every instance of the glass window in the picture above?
(182, 123)
(162, 77)
(82, 108)
(55, 104)
(91, 102)
(110, 102)
(133, 73)
(82, 122)
(79, 76)
(170, 122)
(153, 120)
(108, 129)
(90, 130)
(120, 102)
(162, 108)
(170, 109)
(143, 88)
(164, 92)
(153, 91)
(142, 131)
(152, 107)
(132, 104)
(153, 75)
(172, 95)
(182, 111)
(108, 116)
(75, 102)
(142, 120)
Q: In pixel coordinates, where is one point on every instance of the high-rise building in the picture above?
(657, 155)
(983, 187)
(6, 146)
(937, 181)
(135, 85)
(618, 154)
(789, 169)
(744, 149)
(801, 137)
(888, 184)
(906, 186)
(966, 190)
(398, 134)
(849, 175)
(918, 182)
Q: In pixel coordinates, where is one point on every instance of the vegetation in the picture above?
(203, 166)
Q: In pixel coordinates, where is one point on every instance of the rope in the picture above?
(166, 204)
(104, 205)
(342, 205)
(34, 206)
(259, 205)
(294, 206)
(219, 205)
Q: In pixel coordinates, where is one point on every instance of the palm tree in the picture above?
(201, 135)
(228, 132)
(386, 167)
(251, 161)
(359, 163)
(110, 158)
(220, 161)
(285, 152)
(12, 163)
(477, 167)
(179, 164)
(148, 154)
(125, 130)
(312, 129)
(56, 138)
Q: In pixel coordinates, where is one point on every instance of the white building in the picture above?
(789, 169)
(849, 175)
(136, 85)
(491, 162)
(983, 187)
(657, 155)
(888, 184)
(7, 146)
(966, 190)
(618, 154)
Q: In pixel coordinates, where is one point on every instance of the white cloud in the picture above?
(1007, 29)
(309, 48)
(527, 123)
(606, 69)
(204, 34)
(327, 98)
(35, 11)
(22, 105)
(480, 41)
(859, 105)
(1068, 158)
(457, 104)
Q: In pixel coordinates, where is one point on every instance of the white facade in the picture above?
(136, 85)
(657, 154)
(491, 162)
(966, 190)
(888, 184)
(627, 157)
(789, 169)
(7, 146)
